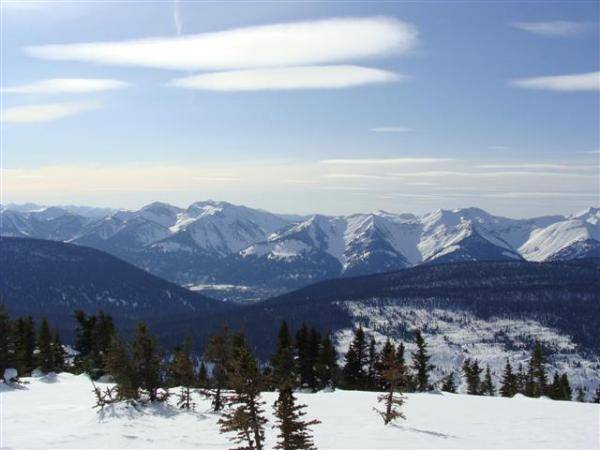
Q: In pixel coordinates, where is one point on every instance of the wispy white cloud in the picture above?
(499, 147)
(43, 113)
(503, 174)
(177, 17)
(543, 195)
(66, 86)
(391, 129)
(356, 176)
(287, 78)
(215, 178)
(574, 82)
(284, 44)
(537, 166)
(385, 161)
(555, 28)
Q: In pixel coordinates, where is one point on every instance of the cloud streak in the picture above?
(391, 130)
(43, 112)
(66, 86)
(385, 161)
(287, 78)
(284, 44)
(575, 82)
(556, 28)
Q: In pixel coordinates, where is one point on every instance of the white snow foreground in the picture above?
(56, 412)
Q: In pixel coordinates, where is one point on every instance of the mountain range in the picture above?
(489, 310)
(212, 243)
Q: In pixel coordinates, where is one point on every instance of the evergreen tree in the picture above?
(407, 383)
(372, 358)
(7, 350)
(119, 364)
(245, 415)
(565, 387)
(472, 373)
(380, 366)
(487, 387)
(24, 338)
(509, 386)
(521, 379)
(59, 355)
(219, 352)
(420, 364)
(581, 395)
(448, 383)
(392, 400)
(327, 367)
(536, 375)
(312, 354)
(181, 373)
(202, 379)
(356, 359)
(147, 360)
(45, 355)
(93, 337)
(283, 359)
(293, 430)
(596, 398)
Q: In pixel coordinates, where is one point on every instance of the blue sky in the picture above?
(403, 106)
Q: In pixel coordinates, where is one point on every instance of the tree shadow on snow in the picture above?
(135, 410)
(427, 432)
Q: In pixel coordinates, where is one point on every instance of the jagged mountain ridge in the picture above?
(217, 242)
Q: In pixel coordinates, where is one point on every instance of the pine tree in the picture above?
(596, 398)
(565, 387)
(327, 368)
(521, 377)
(420, 364)
(312, 354)
(407, 383)
(293, 430)
(581, 394)
(536, 375)
(509, 386)
(283, 359)
(59, 355)
(147, 360)
(487, 387)
(44, 346)
(218, 351)
(448, 383)
(356, 359)
(202, 379)
(245, 415)
(392, 400)
(387, 350)
(181, 373)
(6, 341)
(472, 373)
(93, 337)
(372, 358)
(119, 364)
(24, 338)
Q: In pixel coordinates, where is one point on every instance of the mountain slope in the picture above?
(52, 278)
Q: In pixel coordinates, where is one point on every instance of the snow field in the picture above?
(56, 411)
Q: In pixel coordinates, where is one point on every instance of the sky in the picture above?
(303, 107)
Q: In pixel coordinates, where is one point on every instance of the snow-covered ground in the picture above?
(453, 335)
(56, 412)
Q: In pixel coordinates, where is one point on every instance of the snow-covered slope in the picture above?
(56, 411)
(217, 242)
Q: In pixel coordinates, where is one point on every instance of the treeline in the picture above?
(304, 359)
